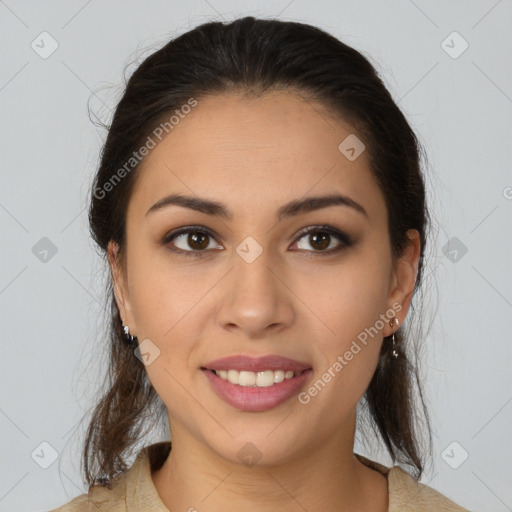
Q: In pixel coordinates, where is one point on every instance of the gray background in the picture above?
(460, 105)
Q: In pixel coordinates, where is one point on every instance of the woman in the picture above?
(262, 209)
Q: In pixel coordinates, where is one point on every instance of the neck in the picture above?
(329, 477)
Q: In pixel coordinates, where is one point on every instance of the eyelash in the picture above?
(344, 239)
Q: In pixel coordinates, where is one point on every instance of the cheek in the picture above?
(350, 297)
(164, 293)
(351, 302)
(166, 302)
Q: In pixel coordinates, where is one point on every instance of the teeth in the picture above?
(263, 379)
(278, 376)
(246, 379)
(233, 376)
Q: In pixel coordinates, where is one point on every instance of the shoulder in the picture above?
(98, 499)
(406, 494)
(103, 499)
(131, 491)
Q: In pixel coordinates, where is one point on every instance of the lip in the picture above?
(255, 399)
(257, 364)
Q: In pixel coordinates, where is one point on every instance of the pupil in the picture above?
(324, 242)
(193, 240)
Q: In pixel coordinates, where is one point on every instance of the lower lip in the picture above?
(256, 399)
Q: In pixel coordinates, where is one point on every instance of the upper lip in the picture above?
(256, 364)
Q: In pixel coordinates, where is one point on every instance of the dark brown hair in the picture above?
(254, 56)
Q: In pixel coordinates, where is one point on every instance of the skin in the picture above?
(254, 155)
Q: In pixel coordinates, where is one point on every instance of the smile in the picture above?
(262, 379)
(256, 383)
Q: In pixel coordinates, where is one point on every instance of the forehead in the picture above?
(255, 153)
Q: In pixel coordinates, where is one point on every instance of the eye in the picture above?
(196, 239)
(321, 239)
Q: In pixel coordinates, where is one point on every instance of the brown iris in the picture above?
(197, 240)
(320, 240)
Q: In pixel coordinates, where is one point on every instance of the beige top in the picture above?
(134, 491)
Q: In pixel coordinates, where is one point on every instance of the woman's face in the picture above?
(245, 280)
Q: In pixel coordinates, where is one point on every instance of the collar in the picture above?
(135, 491)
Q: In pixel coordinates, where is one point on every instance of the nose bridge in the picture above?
(251, 273)
(255, 298)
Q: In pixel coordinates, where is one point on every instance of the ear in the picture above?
(120, 286)
(404, 279)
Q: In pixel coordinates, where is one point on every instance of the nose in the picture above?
(255, 299)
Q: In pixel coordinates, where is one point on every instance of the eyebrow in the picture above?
(293, 208)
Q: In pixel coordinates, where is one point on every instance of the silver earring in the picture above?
(394, 322)
(129, 338)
